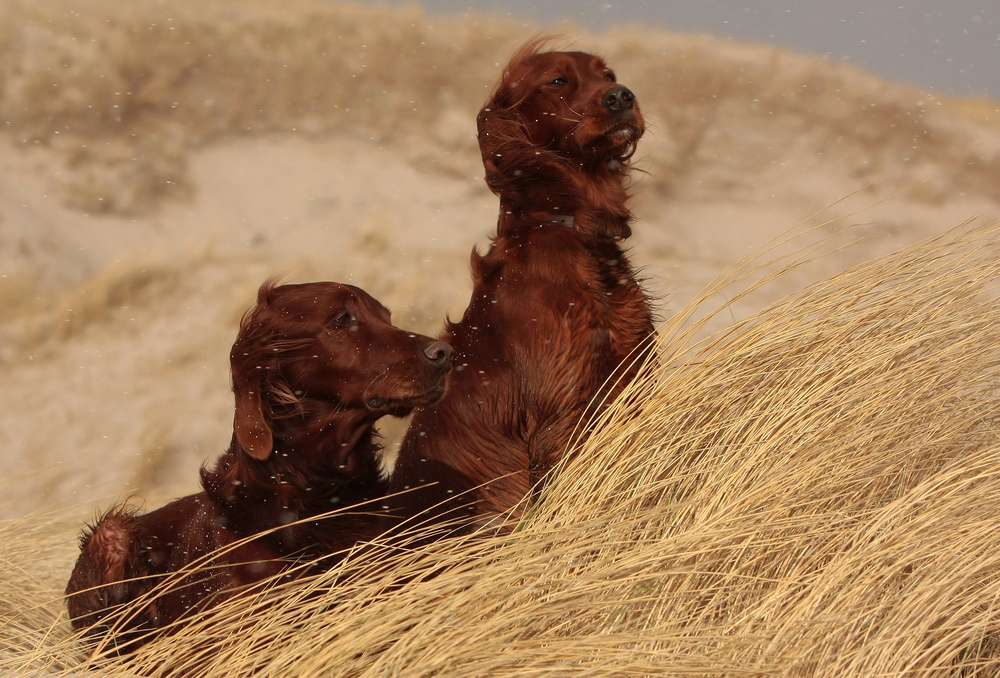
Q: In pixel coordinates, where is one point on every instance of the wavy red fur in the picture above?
(314, 367)
(557, 315)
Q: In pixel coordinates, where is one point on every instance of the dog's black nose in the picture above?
(439, 353)
(618, 99)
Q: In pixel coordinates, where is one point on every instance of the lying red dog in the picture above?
(557, 316)
(313, 368)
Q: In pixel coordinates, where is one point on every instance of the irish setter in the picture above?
(313, 368)
(557, 316)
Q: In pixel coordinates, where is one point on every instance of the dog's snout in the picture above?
(618, 99)
(439, 353)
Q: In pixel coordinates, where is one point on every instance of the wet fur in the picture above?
(557, 316)
(314, 367)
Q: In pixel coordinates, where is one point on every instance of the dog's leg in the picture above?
(112, 571)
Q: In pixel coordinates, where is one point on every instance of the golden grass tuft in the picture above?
(35, 551)
(812, 491)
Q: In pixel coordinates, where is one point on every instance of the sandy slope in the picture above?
(139, 398)
(114, 347)
(135, 401)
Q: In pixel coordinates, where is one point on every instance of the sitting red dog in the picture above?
(557, 320)
(313, 368)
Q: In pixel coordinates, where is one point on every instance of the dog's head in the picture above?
(567, 102)
(332, 346)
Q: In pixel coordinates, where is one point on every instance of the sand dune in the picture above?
(116, 344)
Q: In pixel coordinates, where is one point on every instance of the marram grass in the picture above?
(813, 491)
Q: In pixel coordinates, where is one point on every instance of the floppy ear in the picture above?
(252, 430)
(494, 138)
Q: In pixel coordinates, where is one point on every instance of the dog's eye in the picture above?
(342, 319)
(559, 82)
(610, 76)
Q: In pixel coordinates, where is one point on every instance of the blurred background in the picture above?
(160, 159)
(951, 48)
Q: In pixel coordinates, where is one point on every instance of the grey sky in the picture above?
(948, 46)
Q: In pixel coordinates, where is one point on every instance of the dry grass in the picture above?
(121, 93)
(40, 318)
(810, 492)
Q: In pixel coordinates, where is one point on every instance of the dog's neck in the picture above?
(321, 461)
(593, 200)
(324, 440)
(600, 223)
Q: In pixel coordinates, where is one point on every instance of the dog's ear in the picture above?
(252, 429)
(490, 144)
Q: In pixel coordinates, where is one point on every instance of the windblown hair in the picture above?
(314, 367)
(539, 159)
(557, 316)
